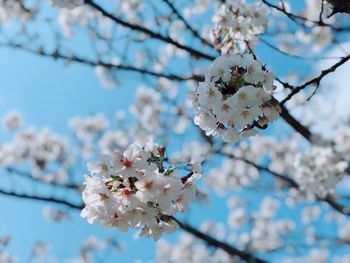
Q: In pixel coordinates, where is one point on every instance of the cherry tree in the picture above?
(215, 116)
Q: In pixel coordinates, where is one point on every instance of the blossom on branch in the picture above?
(134, 189)
(235, 97)
(237, 25)
(318, 171)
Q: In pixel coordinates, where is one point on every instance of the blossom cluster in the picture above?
(12, 121)
(189, 250)
(147, 108)
(235, 97)
(263, 232)
(318, 170)
(88, 128)
(241, 176)
(135, 189)
(7, 258)
(47, 153)
(266, 232)
(237, 25)
(15, 10)
(200, 7)
(82, 15)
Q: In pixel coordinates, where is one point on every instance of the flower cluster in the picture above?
(134, 189)
(267, 233)
(47, 153)
(189, 250)
(242, 175)
(200, 7)
(112, 140)
(12, 121)
(6, 258)
(88, 128)
(235, 97)
(15, 10)
(147, 108)
(237, 25)
(318, 170)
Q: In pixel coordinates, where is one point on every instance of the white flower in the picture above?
(102, 166)
(12, 121)
(209, 94)
(247, 96)
(246, 116)
(206, 121)
(225, 110)
(232, 100)
(255, 74)
(97, 199)
(271, 113)
(230, 136)
(130, 161)
(237, 218)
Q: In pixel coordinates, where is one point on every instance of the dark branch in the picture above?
(27, 175)
(42, 198)
(218, 244)
(295, 124)
(328, 199)
(73, 58)
(340, 6)
(167, 39)
(193, 31)
(317, 80)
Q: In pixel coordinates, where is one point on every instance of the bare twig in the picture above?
(316, 80)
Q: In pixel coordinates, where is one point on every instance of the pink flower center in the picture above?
(127, 163)
(126, 192)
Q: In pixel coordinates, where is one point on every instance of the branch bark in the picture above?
(340, 6)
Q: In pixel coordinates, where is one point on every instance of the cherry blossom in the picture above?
(235, 97)
(12, 121)
(318, 170)
(134, 189)
(237, 25)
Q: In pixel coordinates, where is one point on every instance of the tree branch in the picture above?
(73, 58)
(316, 80)
(167, 39)
(27, 175)
(218, 244)
(328, 199)
(193, 31)
(340, 6)
(295, 124)
(42, 198)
